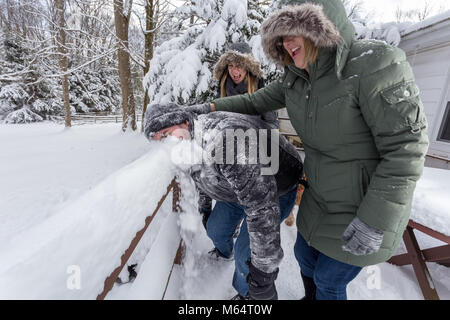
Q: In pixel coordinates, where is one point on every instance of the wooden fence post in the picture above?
(420, 268)
(180, 252)
(176, 208)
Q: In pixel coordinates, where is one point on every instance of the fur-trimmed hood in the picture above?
(324, 22)
(246, 60)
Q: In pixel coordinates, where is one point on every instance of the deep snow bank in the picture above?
(86, 238)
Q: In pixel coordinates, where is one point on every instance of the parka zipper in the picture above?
(319, 218)
(308, 114)
(309, 111)
(309, 129)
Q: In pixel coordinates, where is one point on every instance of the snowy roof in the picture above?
(425, 23)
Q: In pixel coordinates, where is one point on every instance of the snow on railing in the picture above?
(111, 279)
(94, 118)
(101, 118)
(69, 255)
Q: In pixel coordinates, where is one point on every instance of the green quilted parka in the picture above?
(361, 121)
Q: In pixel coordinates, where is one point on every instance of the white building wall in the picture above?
(431, 70)
(428, 52)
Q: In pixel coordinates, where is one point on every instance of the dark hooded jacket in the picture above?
(244, 184)
(361, 121)
(239, 177)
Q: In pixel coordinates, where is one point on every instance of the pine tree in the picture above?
(181, 68)
(22, 98)
(95, 90)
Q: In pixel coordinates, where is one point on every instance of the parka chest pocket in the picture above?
(329, 123)
(400, 92)
(402, 106)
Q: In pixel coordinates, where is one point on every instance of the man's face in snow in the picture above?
(237, 73)
(295, 47)
(180, 131)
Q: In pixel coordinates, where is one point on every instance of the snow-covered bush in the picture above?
(23, 115)
(388, 32)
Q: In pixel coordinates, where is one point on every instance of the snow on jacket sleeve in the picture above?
(269, 98)
(257, 194)
(391, 106)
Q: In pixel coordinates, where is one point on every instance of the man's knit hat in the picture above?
(161, 116)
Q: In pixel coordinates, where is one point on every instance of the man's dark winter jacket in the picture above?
(243, 183)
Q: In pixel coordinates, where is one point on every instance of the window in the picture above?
(444, 132)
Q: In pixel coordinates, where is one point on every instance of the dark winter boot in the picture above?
(216, 255)
(240, 297)
(310, 288)
(132, 275)
(132, 272)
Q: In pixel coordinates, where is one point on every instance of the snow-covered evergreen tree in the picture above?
(22, 98)
(29, 90)
(95, 90)
(181, 69)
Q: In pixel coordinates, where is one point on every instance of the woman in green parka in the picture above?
(356, 108)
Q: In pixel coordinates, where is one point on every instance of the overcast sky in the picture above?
(384, 10)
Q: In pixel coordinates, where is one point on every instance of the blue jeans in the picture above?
(221, 226)
(330, 276)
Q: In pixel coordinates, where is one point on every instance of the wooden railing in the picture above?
(111, 279)
(117, 118)
(291, 136)
(96, 118)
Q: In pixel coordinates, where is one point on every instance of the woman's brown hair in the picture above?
(252, 83)
(311, 53)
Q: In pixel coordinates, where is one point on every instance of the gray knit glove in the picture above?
(199, 108)
(361, 239)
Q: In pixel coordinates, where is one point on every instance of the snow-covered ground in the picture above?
(71, 201)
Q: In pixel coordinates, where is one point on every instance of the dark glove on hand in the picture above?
(361, 239)
(205, 216)
(261, 285)
(199, 108)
